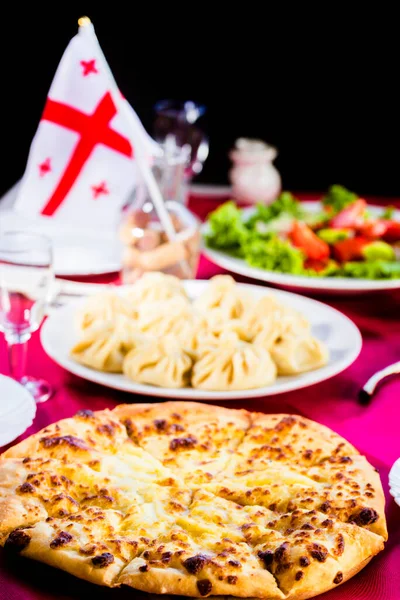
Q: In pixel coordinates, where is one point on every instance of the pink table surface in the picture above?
(373, 429)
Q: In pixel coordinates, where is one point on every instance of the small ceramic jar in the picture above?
(253, 176)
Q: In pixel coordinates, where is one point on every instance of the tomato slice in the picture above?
(392, 233)
(350, 249)
(304, 238)
(350, 217)
(316, 265)
(374, 229)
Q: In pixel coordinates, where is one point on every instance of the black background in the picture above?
(321, 85)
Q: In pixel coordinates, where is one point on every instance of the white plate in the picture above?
(82, 256)
(323, 284)
(394, 481)
(76, 252)
(17, 410)
(329, 325)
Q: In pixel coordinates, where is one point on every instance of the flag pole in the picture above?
(86, 26)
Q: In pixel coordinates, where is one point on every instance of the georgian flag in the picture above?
(81, 167)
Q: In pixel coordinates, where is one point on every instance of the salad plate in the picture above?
(343, 279)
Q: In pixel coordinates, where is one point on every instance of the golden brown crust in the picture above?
(162, 581)
(310, 593)
(14, 512)
(98, 430)
(39, 548)
(193, 499)
(192, 411)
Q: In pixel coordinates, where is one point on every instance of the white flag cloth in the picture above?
(81, 167)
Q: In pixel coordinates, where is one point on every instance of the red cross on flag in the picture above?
(81, 166)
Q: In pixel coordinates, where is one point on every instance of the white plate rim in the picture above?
(106, 269)
(123, 384)
(342, 284)
(394, 481)
(27, 415)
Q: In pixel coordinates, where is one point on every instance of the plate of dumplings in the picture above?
(200, 339)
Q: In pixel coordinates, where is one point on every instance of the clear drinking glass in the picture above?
(26, 275)
(169, 170)
(182, 122)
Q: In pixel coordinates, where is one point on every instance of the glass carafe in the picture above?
(146, 246)
(181, 123)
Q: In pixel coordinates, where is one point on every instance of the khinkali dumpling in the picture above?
(178, 318)
(102, 308)
(214, 327)
(104, 346)
(266, 333)
(165, 317)
(223, 293)
(155, 286)
(203, 329)
(294, 353)
(231, 364)
(268, 320)
(162, 362)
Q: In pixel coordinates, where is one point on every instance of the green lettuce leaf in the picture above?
(378, 269)
(273, 254)
(338, 197)
(286, 204)
(227, 230)
(388, 213)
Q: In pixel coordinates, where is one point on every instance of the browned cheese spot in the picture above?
(84, 413)
(102, 560)
(25, 488)
(64, 440)
(62, 539)
(318, 552)
(366, 516)
(166, 557)
(204, 586)
(338, 578)
(267, 557)
(183, 443)
(17, 541)
(234, 563)
(160, 424)
(339, 545)
(194, 564)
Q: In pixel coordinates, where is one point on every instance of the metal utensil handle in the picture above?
(371, 384)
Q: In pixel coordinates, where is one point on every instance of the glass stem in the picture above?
(17, 347)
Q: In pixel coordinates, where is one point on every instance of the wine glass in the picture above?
(26, 276)
(181, 122)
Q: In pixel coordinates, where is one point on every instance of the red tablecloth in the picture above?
(374, 430)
